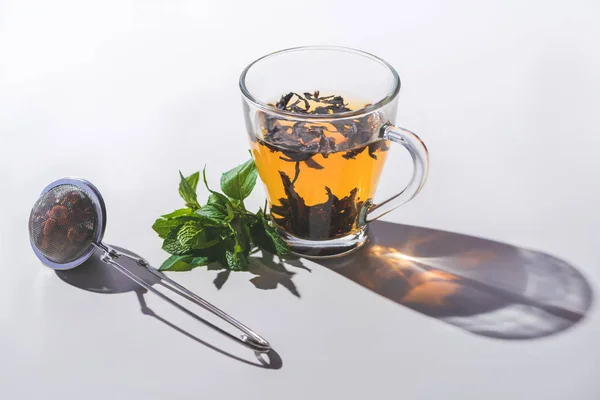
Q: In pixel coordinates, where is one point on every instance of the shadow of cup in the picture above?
(485, 287)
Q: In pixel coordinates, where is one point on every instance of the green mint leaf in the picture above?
(172, 245)
(216, 252)
(187, 193)
(236, 261)
(218, 199)
(179, 213)
(200, 261)
(176, 263)
(214, 213)
(183, 263)
(260, 238)
(190, 234)
(221, 231)
(266, 236)
(230, 212)
(164, 226)
(193, 236)
(205, 180)
(238, 182)
(223, 203)
(192, 180)
(280, 246)
(241, 235)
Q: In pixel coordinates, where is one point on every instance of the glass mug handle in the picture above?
(420, 156)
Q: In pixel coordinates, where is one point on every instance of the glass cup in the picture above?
(320, 123)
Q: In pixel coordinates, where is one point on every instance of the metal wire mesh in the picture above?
(63, 223)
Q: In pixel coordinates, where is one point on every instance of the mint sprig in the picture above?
(222, 230)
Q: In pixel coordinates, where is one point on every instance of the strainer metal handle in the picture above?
(249, 338)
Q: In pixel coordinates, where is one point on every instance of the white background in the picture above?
(125, 93)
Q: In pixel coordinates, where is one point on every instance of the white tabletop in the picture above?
(126, 93)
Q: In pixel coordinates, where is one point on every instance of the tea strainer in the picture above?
(66, 227)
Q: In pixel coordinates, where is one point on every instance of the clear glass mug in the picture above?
(320, 122)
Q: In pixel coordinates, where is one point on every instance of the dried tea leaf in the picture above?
(350, 155)
(311, 163)
(378, 145)
(326, 146)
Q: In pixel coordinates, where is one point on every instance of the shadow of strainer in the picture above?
(97, 277)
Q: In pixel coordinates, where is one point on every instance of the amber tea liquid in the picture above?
(319, 175)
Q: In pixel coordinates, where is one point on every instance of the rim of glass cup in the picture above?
(361, 111)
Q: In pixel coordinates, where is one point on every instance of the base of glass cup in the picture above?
(325, 248)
